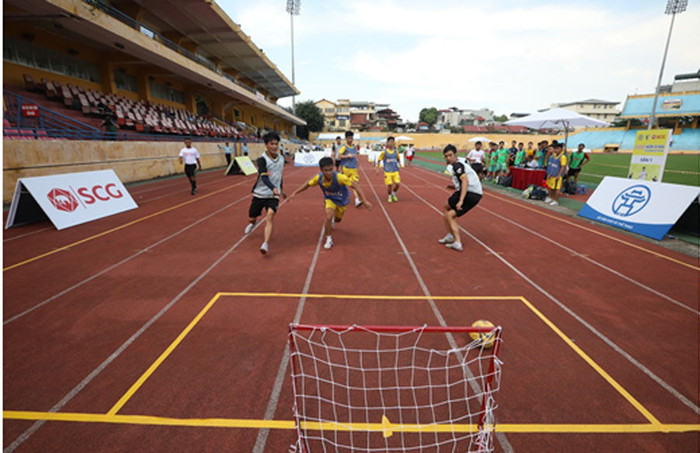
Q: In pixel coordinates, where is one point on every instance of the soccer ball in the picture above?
(487, 339)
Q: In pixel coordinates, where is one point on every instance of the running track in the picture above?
(164, 329)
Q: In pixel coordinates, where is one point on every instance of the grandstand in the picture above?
(677, 108)
(159, 72)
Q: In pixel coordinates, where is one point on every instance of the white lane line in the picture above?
(272, 403)
(586, 258)
(86, 381)
(578, 318)
(501, 437)
(116, 265)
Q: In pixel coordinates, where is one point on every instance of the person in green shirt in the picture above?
(577, 160)
(501, 159)
(520, 155)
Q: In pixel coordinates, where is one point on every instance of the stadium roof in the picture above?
(217, 37)
(589, 101)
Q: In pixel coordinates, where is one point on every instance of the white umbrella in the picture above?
(404, 138)
(479, 139)
(556, 119)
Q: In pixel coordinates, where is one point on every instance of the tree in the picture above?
(428, 115)
(309, 112)
(501, 118)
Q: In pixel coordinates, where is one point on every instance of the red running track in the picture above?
(119, 334)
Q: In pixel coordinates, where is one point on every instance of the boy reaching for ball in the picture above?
(336, 194)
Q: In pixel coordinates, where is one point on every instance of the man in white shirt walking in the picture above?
(190, 157)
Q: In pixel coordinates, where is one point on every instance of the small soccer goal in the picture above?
(394, 388)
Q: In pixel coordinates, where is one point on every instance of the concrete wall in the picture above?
(131, 161)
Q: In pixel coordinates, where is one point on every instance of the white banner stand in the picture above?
(68, 199)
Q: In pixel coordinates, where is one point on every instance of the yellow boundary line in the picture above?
(599, 233)
(385, 427)
(378, 427)
(120, 227)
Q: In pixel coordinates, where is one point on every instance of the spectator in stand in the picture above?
(476, 159)
(190, 157)
(336, 152)
(501, 160)
(520, 156)
(110, 128)
(577, 160)
(245, 148)
(227, 152)
(556, 164)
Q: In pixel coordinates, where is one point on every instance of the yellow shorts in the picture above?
(391, 177)
(554, 183)
(351, 173)
(339, 210)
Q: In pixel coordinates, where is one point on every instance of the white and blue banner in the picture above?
(302, 159)
(646, 208)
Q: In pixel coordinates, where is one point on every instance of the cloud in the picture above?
(510, 57)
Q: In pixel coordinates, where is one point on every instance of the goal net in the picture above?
(394, 389)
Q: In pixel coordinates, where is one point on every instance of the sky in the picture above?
(508, 56)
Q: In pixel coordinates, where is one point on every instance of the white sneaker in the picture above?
(249, 228)
(329, 243)
(358, 203)
(264, 248)
(547, 200)
(454, 246)
(553, 203)
(447, 239)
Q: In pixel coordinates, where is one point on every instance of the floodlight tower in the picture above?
(673, 7)
(293, 8)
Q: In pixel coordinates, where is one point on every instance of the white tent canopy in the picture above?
(480, 139)
(404, 138)
(555, 119)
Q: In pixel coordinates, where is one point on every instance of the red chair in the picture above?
(26, 134)
(29, 84)
(42, 135)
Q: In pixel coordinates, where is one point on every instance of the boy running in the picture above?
(392, 180)
(335, 193)
(348, 161)
(467, 194)
(267, 188)
(190, 157)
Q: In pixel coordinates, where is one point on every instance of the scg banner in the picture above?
(70, 199)
(646, 208)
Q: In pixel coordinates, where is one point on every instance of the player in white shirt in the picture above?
(190, 157)
(476, 159)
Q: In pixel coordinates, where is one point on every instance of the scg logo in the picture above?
(631, 200)
(64, 200)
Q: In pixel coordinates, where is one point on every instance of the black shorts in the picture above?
(573, 172)
(337, 164)
(257, 205)
(470, 200)
(190, 169)
(478, 168)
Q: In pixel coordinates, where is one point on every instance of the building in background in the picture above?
(358, 116)
(455, 117)
(593, 108)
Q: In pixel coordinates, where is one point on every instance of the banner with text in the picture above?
(649, 155)
(646, 208)
(68, 199)
(302, 159)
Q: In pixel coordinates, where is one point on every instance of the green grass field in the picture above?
(680, 168)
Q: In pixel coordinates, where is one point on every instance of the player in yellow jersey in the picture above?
(390, 158)
(348, 160)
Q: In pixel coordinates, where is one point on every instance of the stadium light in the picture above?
(673, 7)
(293, 8)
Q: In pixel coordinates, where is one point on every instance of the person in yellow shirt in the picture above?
(336, 194)
(348, 161)
(390, 158)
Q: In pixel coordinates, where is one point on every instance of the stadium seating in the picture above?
(688, 140)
